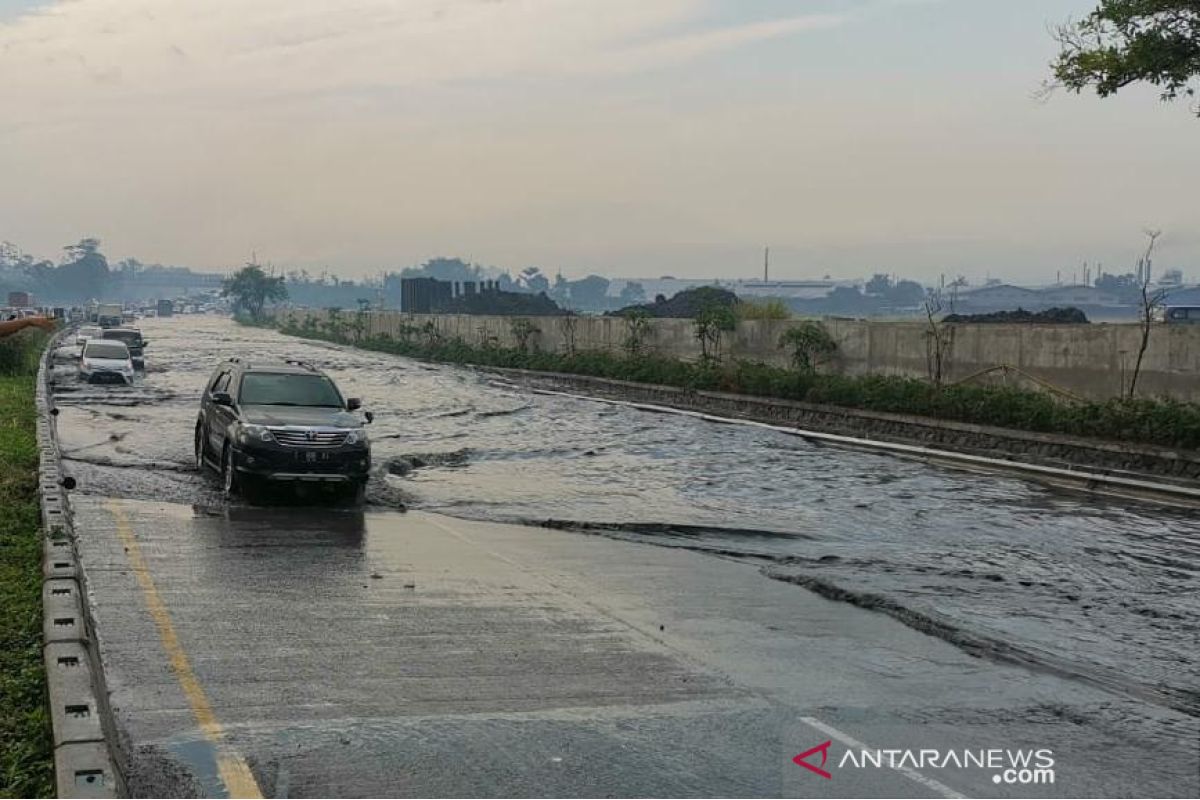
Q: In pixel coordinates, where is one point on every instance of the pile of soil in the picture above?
(1051, 316)
(686, 305)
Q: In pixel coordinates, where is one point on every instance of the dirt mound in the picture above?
(686, 305)
(1051, 316)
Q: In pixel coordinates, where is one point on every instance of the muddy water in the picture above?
(1104, 593)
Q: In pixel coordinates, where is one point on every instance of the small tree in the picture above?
(1149, 303)
(334, 322)
(431, 334)
(713, 321)
(810, 343)
(939, 339)
(637, 329)
(568, 325)
(251, 289)
(359, 323)
(523, 330)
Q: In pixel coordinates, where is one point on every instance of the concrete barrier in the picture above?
(1092, 361)
(83, 756)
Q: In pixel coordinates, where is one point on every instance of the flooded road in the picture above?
(1107, 595)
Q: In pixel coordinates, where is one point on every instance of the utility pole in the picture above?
(766, 264)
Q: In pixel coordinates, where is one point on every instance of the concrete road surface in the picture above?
(324, 652)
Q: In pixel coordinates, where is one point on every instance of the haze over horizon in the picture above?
(628, 138)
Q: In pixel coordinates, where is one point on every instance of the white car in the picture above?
(87, 332)
(105, 360)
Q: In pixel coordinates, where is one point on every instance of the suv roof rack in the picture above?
(295, 362)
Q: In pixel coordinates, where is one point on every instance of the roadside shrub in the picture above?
(713, 322)
(637, 328)
(523, 330)
(810, 343)
(19, 353)
(762, 309)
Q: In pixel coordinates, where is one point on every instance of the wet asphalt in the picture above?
(668, 632)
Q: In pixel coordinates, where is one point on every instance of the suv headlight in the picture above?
(259, 433)
(356, 436)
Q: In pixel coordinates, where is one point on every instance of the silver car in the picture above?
(105, 360)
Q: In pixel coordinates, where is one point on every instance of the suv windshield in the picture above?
(288, 389)
(99, 349)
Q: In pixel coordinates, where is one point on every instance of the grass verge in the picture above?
(26, 749)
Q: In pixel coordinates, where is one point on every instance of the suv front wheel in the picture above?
(229, 476)
(200, 449)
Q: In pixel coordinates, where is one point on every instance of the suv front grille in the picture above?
(308, 437)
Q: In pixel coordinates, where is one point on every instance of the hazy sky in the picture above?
(633, 137)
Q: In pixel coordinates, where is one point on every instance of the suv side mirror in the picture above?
(370, 415)
(353, 403)
(222, 398)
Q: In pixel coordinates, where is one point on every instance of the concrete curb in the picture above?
(83, 758)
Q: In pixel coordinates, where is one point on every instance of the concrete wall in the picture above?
(1093, 361)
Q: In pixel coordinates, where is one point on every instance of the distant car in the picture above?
(132, 337)
(105, 361)
(281, 423)
(88, 332)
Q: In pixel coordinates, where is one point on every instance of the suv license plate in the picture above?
(311, 457)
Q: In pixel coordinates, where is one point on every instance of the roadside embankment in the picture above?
(1094, 361)
(1040, 448)
(26, 749)
(1135, 438)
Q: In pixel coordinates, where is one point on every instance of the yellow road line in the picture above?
(235, 773)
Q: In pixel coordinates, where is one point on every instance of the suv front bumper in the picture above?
(325, 465)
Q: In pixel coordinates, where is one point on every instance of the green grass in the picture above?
(26, 750)
(1145, 421)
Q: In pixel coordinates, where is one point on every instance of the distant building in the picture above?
(813, 289)
(1097, 304)
(433, 296)
(425, 295)
(1172, 277)
(20, 299)
(996, 297)
(1182, 296)
(1079, 296)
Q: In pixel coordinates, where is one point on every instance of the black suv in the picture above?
(280, 422)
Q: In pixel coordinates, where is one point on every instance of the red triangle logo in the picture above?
(823, 749)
